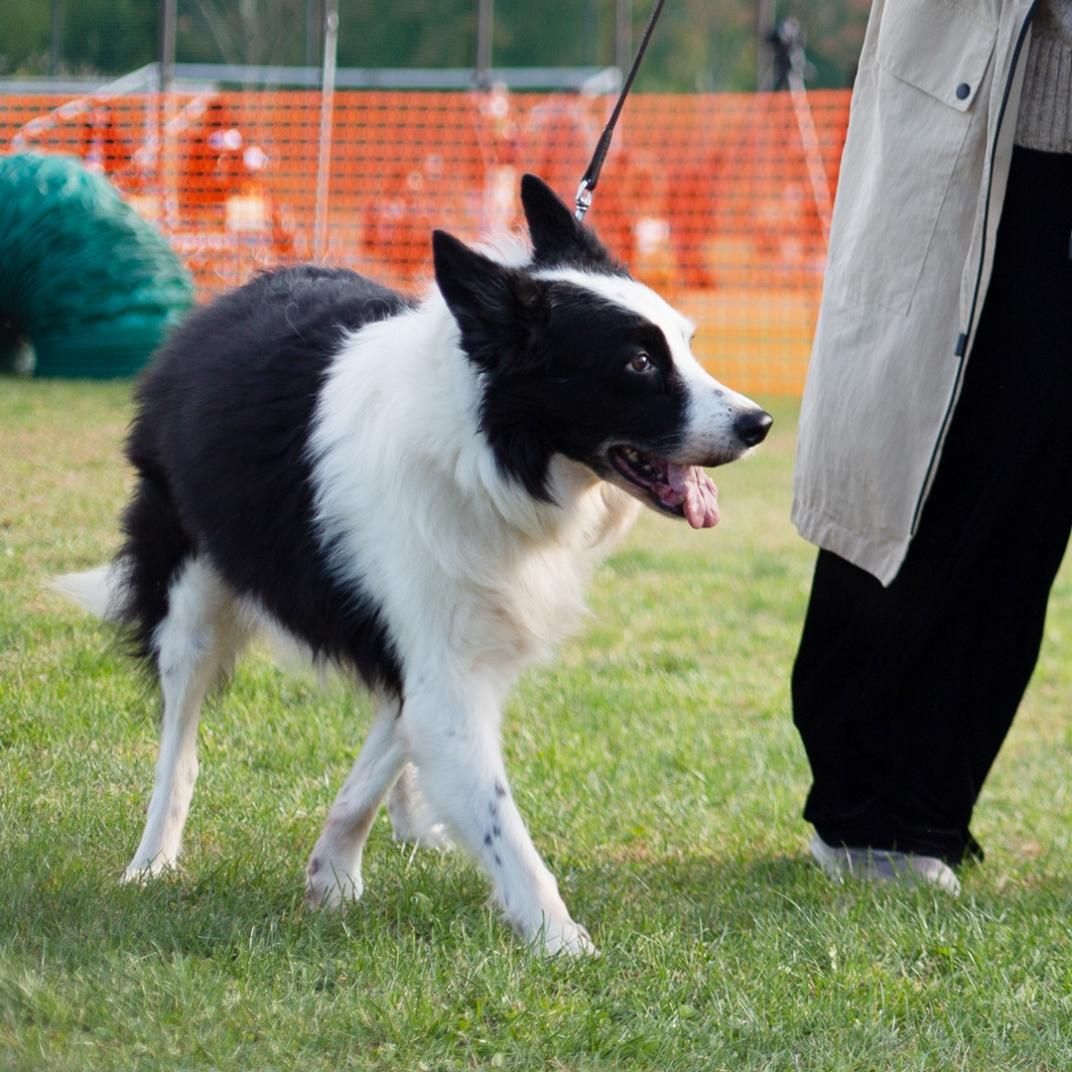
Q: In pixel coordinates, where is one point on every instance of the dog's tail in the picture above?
(98, 591)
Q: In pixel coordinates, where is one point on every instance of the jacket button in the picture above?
(963, 91)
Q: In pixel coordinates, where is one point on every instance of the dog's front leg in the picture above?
(454, 743)
(333, 875)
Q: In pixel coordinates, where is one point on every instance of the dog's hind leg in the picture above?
(411, 817)
(198, 637)
(333, 874)
(455, 746)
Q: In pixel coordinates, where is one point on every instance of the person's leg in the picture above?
(903, 695)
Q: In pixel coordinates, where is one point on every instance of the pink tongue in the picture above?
(696, 492)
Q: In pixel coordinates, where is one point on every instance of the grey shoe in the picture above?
(883, 865)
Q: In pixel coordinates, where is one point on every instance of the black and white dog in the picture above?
(417, 493)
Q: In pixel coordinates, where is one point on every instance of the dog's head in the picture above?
(580, 360)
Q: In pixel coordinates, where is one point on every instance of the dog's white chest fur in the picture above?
(417, 513)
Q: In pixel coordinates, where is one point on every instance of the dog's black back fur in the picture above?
(221, 433)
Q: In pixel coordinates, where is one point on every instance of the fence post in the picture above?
(165, 150)
(327, 99)
(485, 21)
(764, 25)
(623, 35)
(55, 43)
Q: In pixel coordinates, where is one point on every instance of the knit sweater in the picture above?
(1045, 118)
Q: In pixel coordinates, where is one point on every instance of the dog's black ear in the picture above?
(496, 307)
(558, 237)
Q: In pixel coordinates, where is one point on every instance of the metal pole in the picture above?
(165, 151)
(485, 23)
(327, 100)
(764, 25)
(590, 28)
(167, 44)
(623, 35)
(55, 45)
(809, 136)
(312, 25)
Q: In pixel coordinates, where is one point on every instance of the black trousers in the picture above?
(903, 695)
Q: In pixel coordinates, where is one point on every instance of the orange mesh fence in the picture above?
(720, 201)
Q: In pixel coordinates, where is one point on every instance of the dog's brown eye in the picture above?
(641, 363)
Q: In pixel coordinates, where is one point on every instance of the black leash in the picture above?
(591, 176)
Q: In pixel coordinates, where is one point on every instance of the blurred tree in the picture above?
(241, 31)
(699, 45)
(25, 40)
(573, 33)
(408, 33)
(107, 36)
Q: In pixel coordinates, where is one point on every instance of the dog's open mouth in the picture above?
(682, 490)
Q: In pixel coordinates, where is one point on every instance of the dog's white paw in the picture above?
(331, 888)
(434, 836)
(564, 938)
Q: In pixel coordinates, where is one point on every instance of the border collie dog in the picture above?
(415, 492)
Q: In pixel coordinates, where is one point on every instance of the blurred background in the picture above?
(255, 132)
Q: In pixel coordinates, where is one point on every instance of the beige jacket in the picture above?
(923, 178)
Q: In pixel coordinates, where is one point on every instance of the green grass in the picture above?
(655, 761)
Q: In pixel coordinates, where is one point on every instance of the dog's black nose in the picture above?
(752, 427)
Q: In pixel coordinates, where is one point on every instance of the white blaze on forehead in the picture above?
(637, 298)
(713, 408)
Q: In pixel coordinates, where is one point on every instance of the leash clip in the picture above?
(583, 200)
(591, 176)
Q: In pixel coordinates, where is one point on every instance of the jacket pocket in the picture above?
(913, 113)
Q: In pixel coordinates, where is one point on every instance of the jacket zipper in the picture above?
(961, 348)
